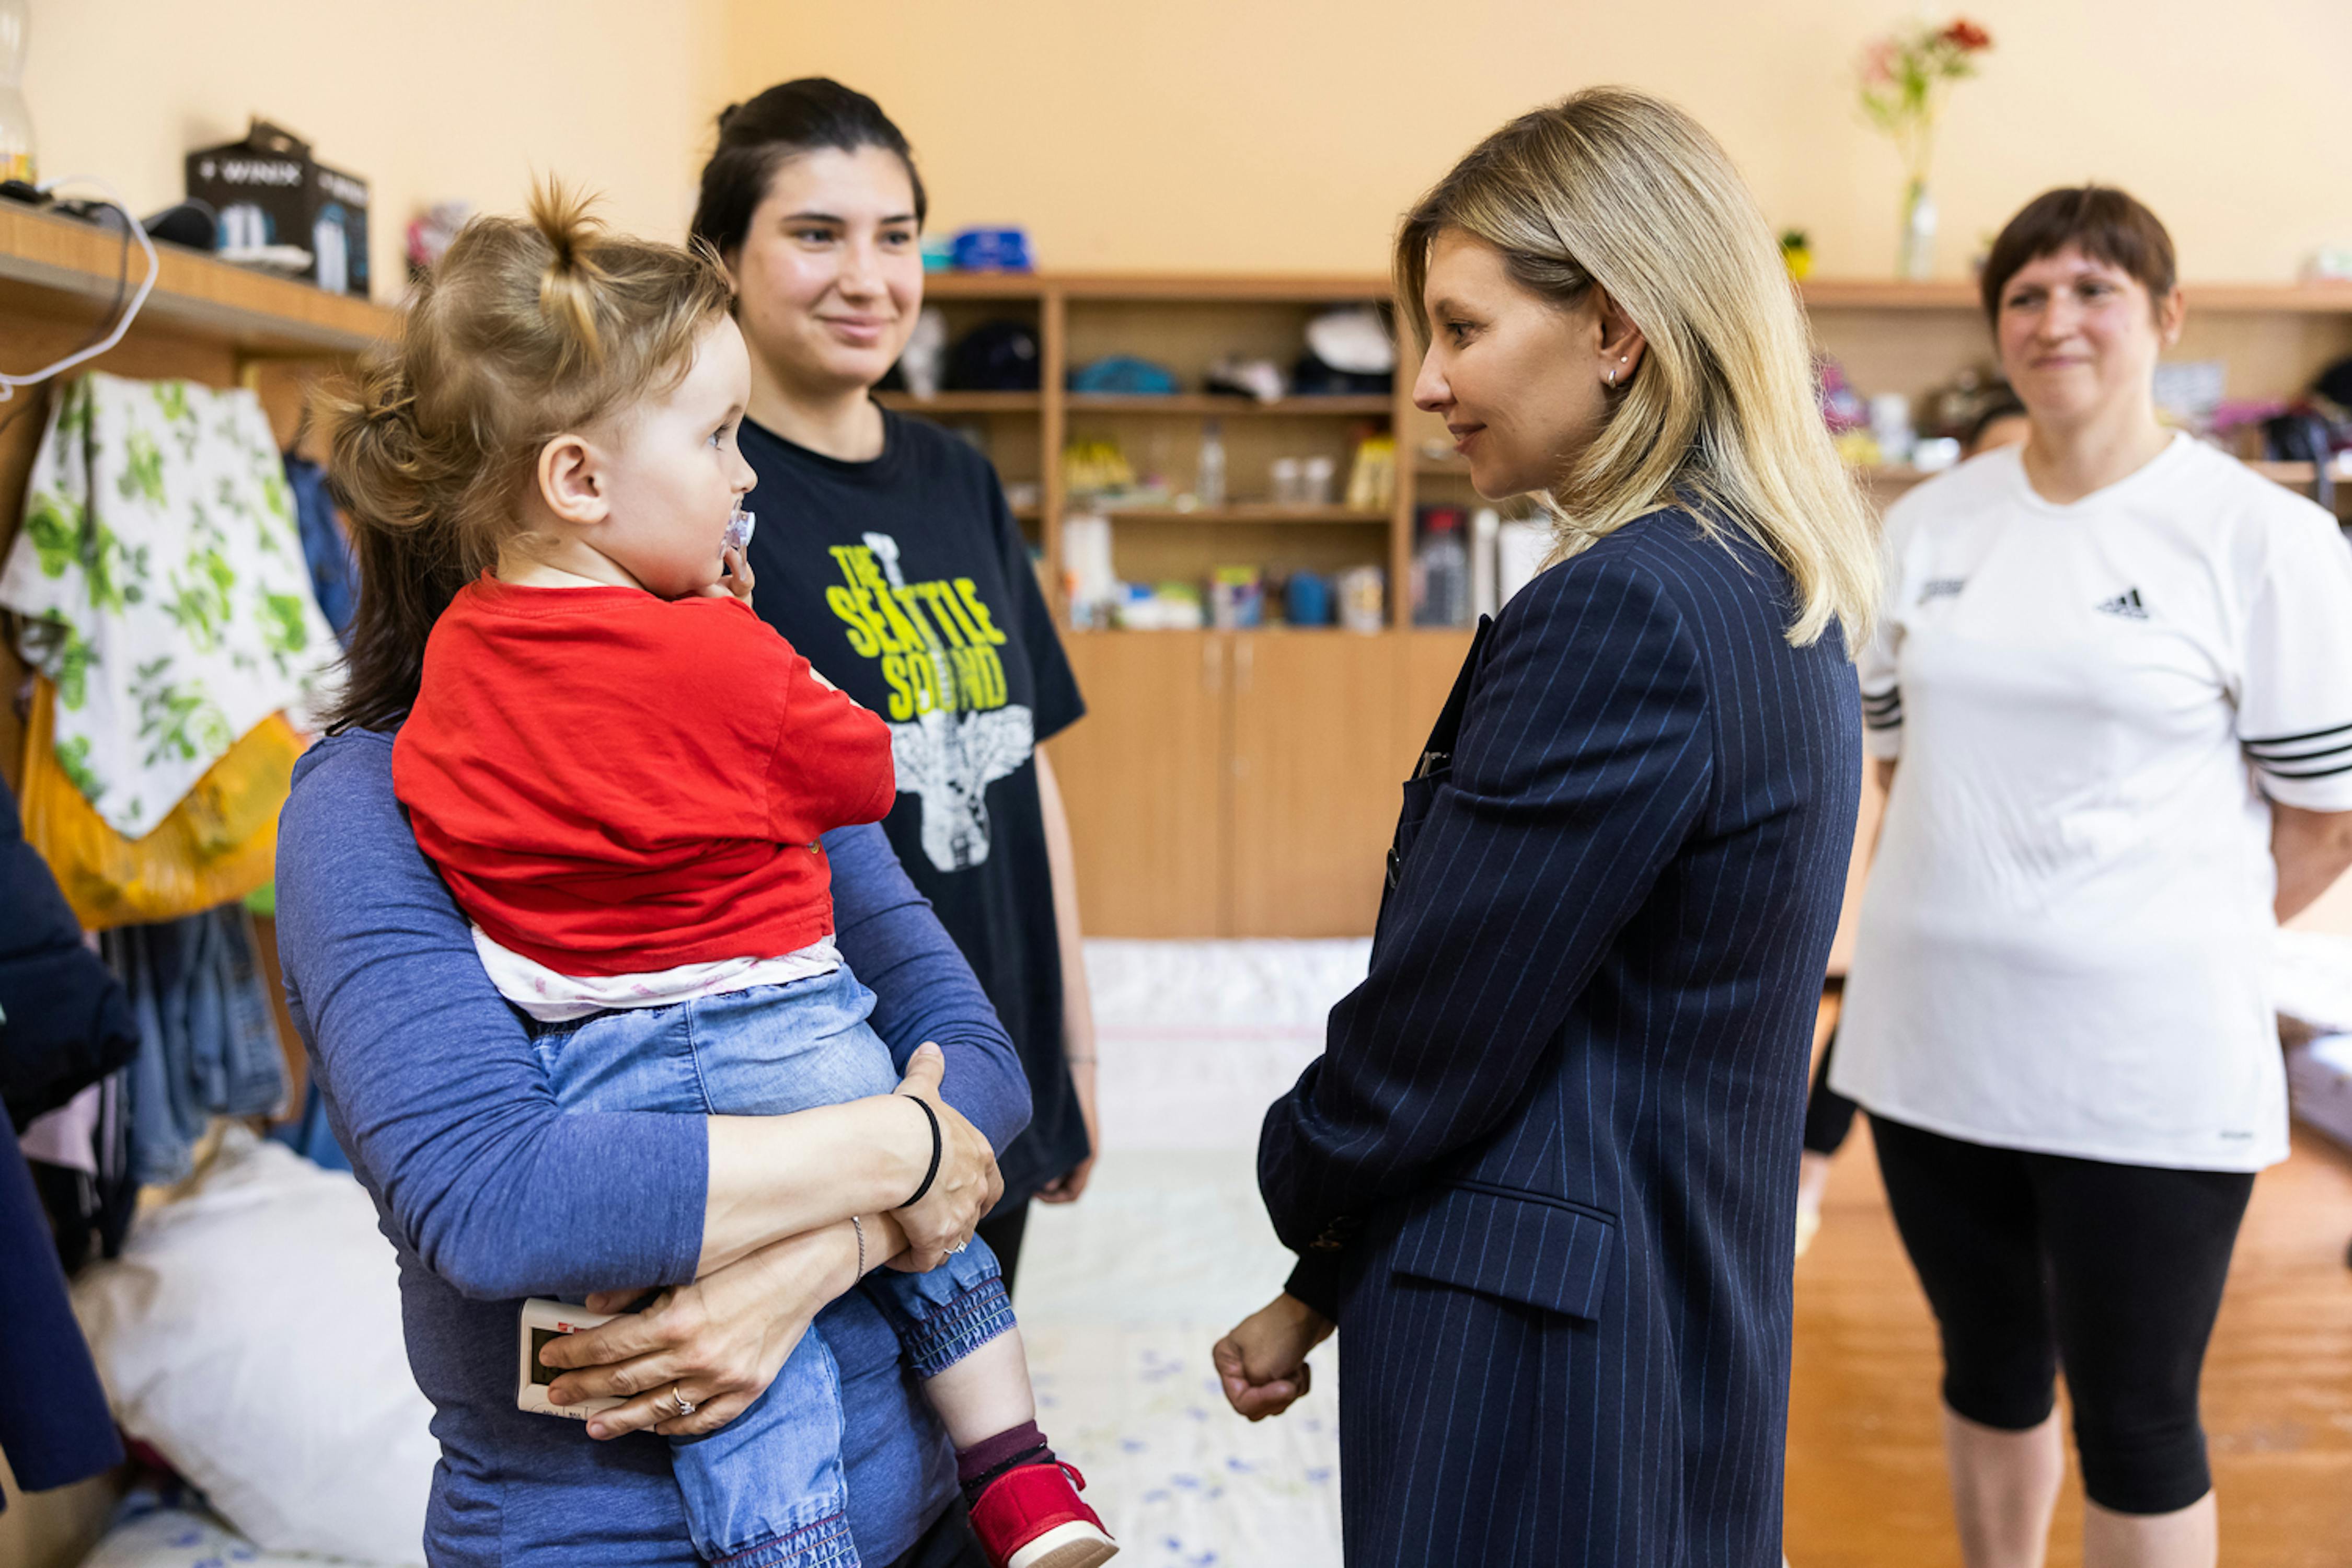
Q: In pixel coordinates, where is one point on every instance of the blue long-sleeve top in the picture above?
(489, 1193)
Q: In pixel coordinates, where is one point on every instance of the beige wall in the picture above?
(1287, 135)
(428, 98)
(1233, 134)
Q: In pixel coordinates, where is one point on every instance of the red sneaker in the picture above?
(1032, 1518)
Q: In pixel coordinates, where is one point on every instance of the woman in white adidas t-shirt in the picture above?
(2115, 666)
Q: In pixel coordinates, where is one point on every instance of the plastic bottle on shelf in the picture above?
(18, 159)
(1442, 571)
(1209, 483)
(1315, 475)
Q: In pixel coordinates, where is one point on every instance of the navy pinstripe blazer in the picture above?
(1544, 1175)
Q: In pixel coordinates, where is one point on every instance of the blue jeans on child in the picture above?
(766, 1490)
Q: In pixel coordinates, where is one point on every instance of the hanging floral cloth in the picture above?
(162, 588)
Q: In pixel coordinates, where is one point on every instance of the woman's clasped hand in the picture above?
(721, 1340)
(1262, 1364)
(962, 1190)
(718, 1341)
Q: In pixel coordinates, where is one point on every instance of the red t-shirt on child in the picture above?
(612, 782)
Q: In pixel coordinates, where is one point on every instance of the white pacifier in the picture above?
(739, 530)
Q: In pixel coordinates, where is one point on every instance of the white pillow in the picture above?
(251, 1332)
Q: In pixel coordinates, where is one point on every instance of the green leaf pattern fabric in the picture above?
(161, 583)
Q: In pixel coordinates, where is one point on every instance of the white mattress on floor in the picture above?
(1198, 1037)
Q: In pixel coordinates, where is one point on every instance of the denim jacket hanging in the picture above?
(207, 1040)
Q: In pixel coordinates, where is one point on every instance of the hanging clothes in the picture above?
(207, 1039)
(55, 1428)
(162, 587)
(65, 1021)
(90, 1201)
(326, 545)
(219, 842)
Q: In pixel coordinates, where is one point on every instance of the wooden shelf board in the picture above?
(963, 402)
(1215, 405)
(1887, 294)
(2301, 473)
(2297, 298)
(983, 285)
(258, 313)
(1303, 288)
(1960, 294)
(1247, 511)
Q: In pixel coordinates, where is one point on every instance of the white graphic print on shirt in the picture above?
(952, 732)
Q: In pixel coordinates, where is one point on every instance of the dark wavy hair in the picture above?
(789, 119)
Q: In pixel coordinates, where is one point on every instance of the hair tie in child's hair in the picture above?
(739, 530)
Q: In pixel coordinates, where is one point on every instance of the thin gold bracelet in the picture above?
(859, 1227)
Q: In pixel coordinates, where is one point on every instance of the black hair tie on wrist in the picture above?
(939, 1146)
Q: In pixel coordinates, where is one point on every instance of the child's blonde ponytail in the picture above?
(525, 330)
(568, 288)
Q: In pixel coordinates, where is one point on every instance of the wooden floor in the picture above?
(1865, 1479)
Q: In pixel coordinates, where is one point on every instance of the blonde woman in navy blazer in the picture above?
(1543, 1178)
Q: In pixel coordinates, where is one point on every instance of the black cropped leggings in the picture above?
(2032, 1262)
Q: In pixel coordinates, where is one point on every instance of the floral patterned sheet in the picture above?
(1122, 1294)
(162, 587)
(150, 1533)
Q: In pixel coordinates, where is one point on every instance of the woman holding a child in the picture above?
(579, 908)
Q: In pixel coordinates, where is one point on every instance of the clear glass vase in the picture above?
(1915, 251)
(16, 148)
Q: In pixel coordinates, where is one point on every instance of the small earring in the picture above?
(1613, 378)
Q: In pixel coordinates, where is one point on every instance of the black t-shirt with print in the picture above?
(905, 581)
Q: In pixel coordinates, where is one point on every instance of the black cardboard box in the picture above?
(270, 191)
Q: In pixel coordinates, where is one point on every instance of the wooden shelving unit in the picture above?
(1214, 405)
(204, 321)
(1893, 336)
(1890, 335)
(53, 265)
(1184, 322)
(949, 402)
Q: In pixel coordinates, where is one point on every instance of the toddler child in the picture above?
(624, 776)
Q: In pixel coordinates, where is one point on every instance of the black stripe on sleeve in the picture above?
(1874, 721)
(2260, 744)
(2267, 759)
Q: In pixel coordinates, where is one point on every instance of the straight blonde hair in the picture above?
(1614, 190)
